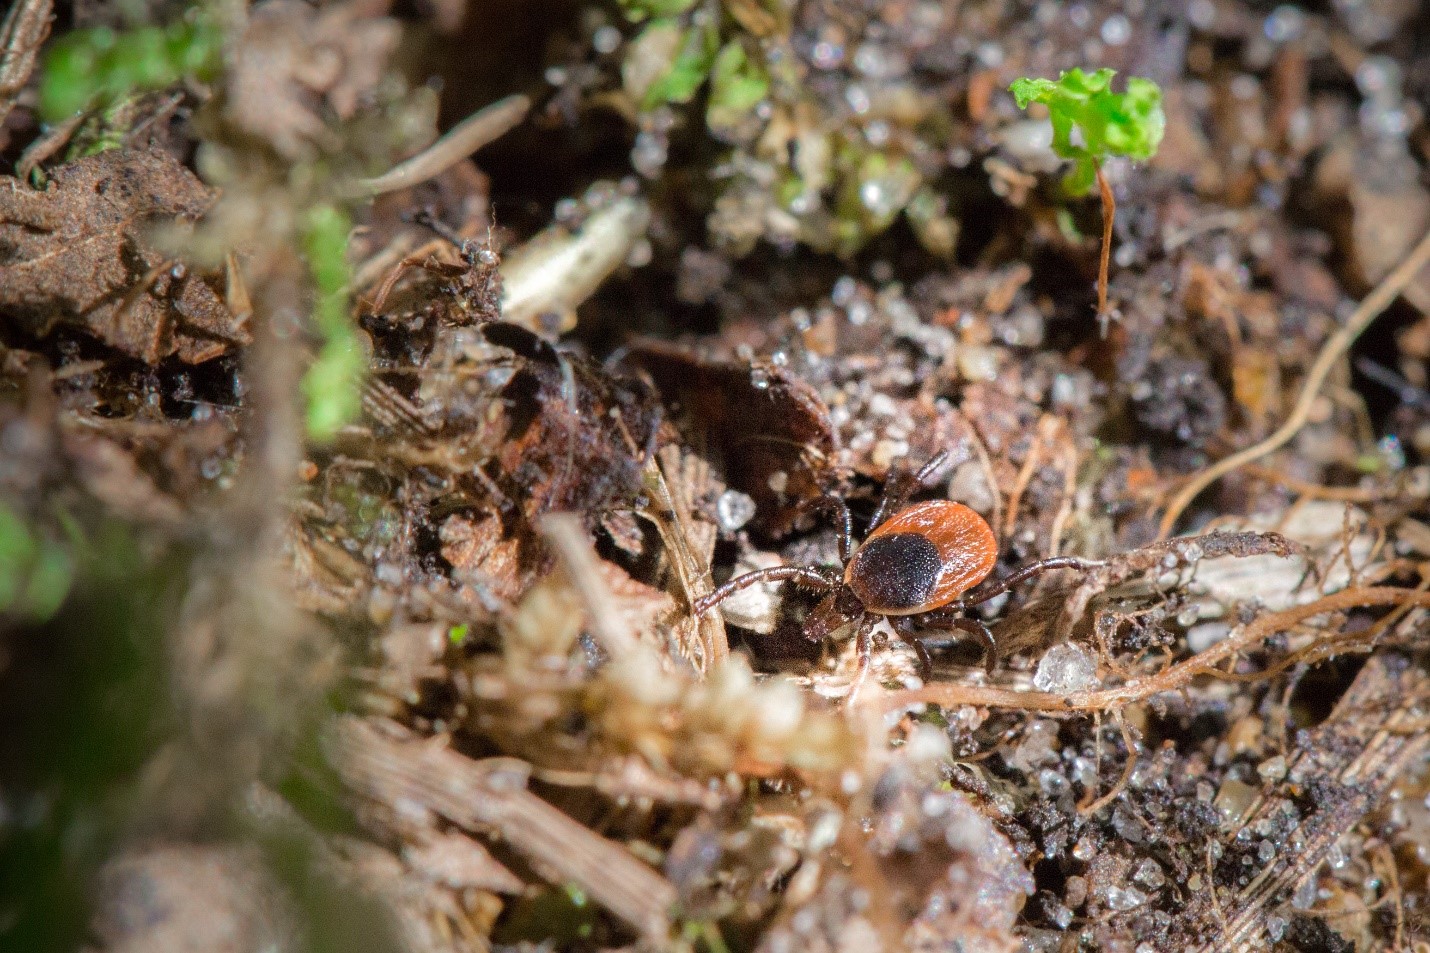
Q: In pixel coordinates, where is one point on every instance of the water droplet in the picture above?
(648, 155)
(858, 99)
(826, 55)
(1052, 783)
(1116, 30)
(1285, 23)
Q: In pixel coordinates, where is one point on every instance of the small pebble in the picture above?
(733, 510)
(1066, 668)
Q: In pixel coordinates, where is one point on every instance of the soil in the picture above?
(633, 289)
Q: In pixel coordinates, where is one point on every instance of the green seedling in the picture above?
(1091, 124)
(333, 383)
(99, 67)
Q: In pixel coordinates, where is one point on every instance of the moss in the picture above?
(100, 67)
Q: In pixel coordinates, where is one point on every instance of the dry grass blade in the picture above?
(689, 544)
(396, 769)
(1335, 348)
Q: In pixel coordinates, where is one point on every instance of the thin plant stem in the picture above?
(1109, 212)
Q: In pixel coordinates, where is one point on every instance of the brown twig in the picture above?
(1025, 473)
(1317, 491)
(1090, 809)
(1055, 533)
(954, 695)
(1334, 349)
(568, 539)
(980, 449)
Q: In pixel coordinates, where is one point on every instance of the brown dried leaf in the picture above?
(77, 252)
(770, 429)
(481, 555)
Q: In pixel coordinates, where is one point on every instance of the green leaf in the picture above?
(693, 59)
(737, 85)
(35, 572)
(333, 387)
(333, 382)
(1027, 91)
(1127, 124)
(98, 67)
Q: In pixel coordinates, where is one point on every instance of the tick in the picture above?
(917, 567)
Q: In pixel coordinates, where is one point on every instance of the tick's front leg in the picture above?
(953, 618)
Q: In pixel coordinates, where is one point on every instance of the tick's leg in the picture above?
(976, 628)
(898, 486)
(951, 617)
(904, 628)
(808, 576)
(1000, 586)
(844, 527)
(863, 651)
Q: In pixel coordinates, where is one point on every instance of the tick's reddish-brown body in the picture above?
(921, 558)
(915, 565)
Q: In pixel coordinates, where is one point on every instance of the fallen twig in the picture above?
(568, 539)
(953, 694)
(21, 36)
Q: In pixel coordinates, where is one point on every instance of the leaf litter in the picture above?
(1215, 740)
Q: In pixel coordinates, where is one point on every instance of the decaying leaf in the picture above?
(79, 252)
(770, 430)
